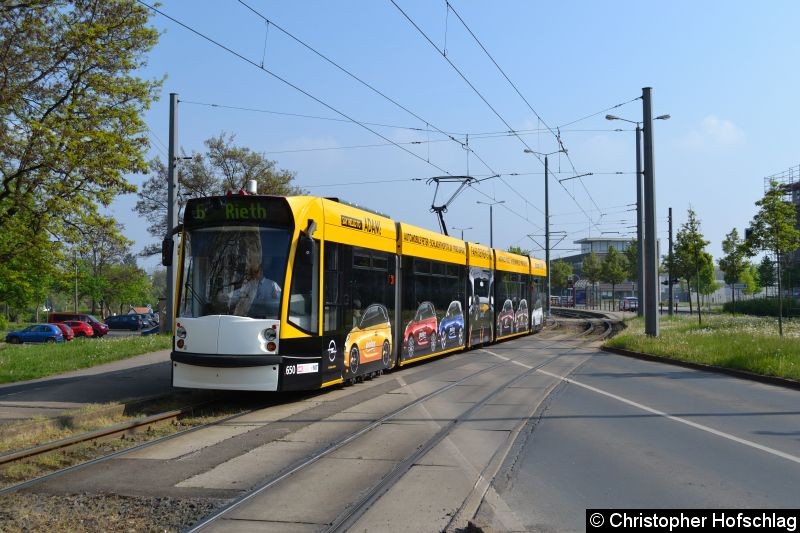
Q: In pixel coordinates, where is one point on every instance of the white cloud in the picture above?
(713, 132)
(723, 132)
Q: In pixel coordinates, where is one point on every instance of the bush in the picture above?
(3, 323)
(764, 307)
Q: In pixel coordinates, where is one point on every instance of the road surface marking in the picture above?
(695, 425)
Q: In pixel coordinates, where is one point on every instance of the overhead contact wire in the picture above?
(364, 83)
(489, 105)
(290, 84)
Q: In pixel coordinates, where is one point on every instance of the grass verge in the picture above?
(31, 361)
(741, 342)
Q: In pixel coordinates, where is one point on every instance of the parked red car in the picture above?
(65, 330)
(421, 332)
(98, 327)
(80, 328)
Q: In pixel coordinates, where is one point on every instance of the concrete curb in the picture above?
(741, 374)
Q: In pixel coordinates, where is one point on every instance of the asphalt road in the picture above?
(556, 424)
(625, 433)
(137, 377)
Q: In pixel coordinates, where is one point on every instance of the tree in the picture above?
(128, 285)
(592, 270)
(100, 248)
(734, 263)
(632, 256)
(223, 167)
(560, 272)
(751, 280)
(519, 250)
(689, 255)
(72, 105)
(773, 229)
(24, 278)
(707, 282)
(766, 272)
(158, 282)
(614, 269)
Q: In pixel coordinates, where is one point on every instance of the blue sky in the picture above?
(726, 72)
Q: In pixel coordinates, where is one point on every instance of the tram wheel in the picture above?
(354, 360)
(385, 354)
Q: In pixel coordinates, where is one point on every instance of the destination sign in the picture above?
(237, 210)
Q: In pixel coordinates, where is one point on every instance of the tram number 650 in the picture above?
(290, 370)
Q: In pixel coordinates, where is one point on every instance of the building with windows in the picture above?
(600, 246)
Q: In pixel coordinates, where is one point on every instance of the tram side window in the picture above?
(368, 282)
(537, 294)
(437, 283)
(304, 294)
(334, 309)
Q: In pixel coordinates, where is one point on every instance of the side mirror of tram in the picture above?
(167, 248)
(305, 249)
(305, 246)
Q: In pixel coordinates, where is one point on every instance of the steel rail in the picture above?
(301, 464)
(141, 422)
(350, 516)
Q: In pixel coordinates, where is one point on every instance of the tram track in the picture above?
(351, 515)
(132, 427)
(545, 344)
(116, 431)
(356, 510)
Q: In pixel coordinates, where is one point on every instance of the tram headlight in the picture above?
(270, 334)
(180, 332)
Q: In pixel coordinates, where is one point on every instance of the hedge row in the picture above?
(764, 307)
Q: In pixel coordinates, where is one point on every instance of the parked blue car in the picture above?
(131, 322)
(451, 327)
(36, 333)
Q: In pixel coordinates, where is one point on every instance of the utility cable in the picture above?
(600, 112)
(448, 134)
(483, 98)
(477, 92)
(290, 84)
(362, 82)
(499, 68)
(504, 206)
(331, 119)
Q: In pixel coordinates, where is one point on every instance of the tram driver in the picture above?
(258, 296)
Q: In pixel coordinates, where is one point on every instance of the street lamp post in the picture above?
(651, 252)
(462, 230)
(546, 225)
(490, 204)
(640, 270)
(172, 209)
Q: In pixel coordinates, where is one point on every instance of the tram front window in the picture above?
(234, 271)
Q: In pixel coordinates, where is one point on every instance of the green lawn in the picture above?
(31, 361)
(741, 342)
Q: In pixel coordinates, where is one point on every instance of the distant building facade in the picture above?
(600, 247)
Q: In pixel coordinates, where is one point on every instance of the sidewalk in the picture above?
(136, 377)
